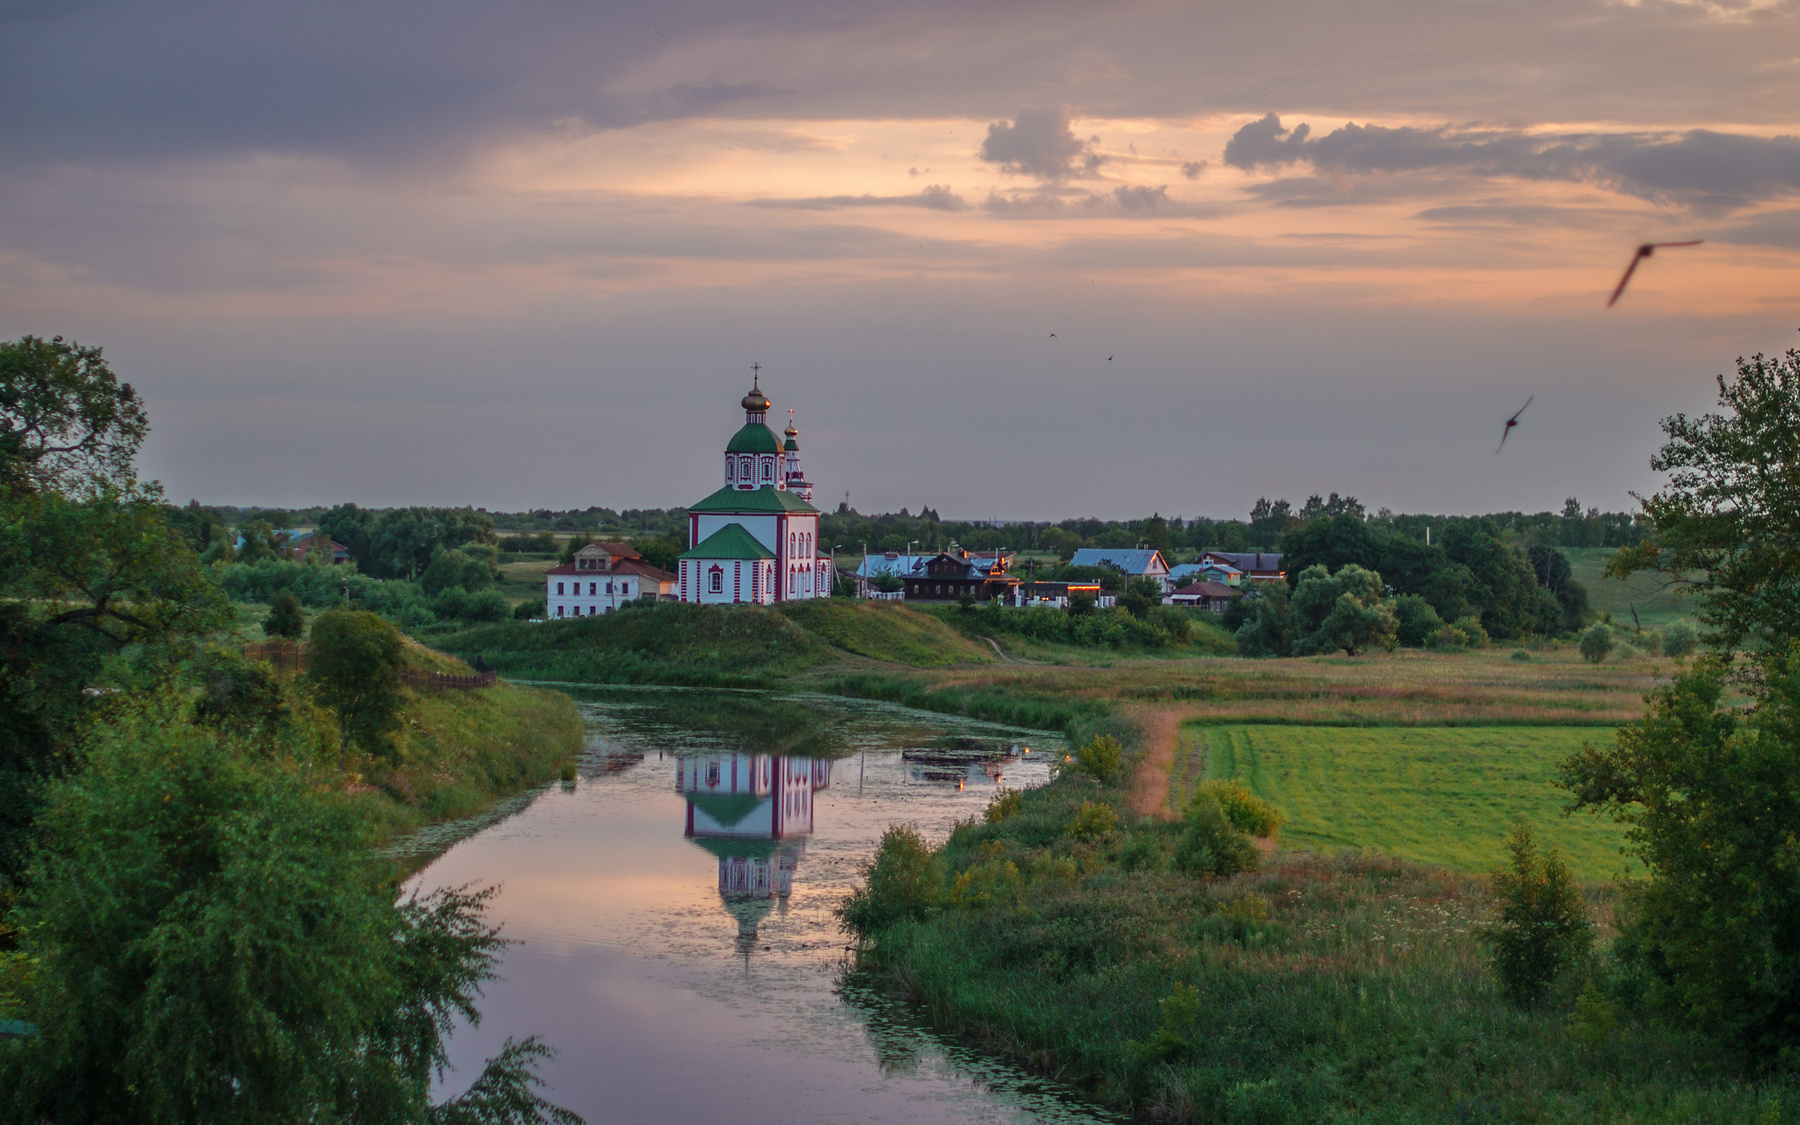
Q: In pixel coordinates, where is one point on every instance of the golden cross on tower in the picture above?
(755, 375)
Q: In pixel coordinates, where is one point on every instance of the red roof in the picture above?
(623, 566)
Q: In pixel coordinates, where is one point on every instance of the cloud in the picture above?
(1192, 169)
(1140, 198)
(937, 197)
(1039, 142)
(1700, 168)
(1780, 229)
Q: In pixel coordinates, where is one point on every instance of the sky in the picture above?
(1006, 260)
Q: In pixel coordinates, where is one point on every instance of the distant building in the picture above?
(1136, 562)
(602, 577)
(949, 575)
(300, 543)
(756, 540)
(1206, 595)
(1055, 594)
(1257, 566)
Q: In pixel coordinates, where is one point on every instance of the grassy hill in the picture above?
(718, 646)
(1655, 601)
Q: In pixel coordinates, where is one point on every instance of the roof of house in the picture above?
(894, 563)
(1248, 561)
(616, 550)
(729, 542)
(755, 437)
(1137, 560)
(1205, 590)
(623, 566)
(755, 501)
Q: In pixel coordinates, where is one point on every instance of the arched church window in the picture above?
(717, 583)
(768, 470)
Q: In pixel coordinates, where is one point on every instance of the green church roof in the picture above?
(729, 542)
(752, 501)
(754, 438)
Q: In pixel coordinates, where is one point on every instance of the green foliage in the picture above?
(1100, 758)
(1541, 927)
(450, 567)
(530, 609)
(238, 695)
(1474, 636)
(889, 631)
(888, 582)
(1414, 620)
(354, 665)
(214, 942)
(1340, 611)
(1095, 820)
(404, 542)
(1727, 523)
(1081, 603)
(904, 881)
(457, 604)
(1151, 627)
(1557, 576)
(1007, 802)
(1679, 639)
(1246, 811)
(1269, 626)
(1709, 794)
(285, 618)
(67, 424)
(1597, 643)
(1211, 844)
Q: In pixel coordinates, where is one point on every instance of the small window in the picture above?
(559, 611)
(768, 470)
(718, 582)
(559, 588)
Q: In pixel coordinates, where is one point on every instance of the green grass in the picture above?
(887, 631)
(1440, 795)
(668, 643)
(1655, 601)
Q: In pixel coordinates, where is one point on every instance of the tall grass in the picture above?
(887, 631)
(1075, 716)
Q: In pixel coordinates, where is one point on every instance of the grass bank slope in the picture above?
(668, 643)
(886, 631)
(1430, 794)
(462, 749)
(1655, 599)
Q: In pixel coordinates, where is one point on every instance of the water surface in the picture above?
(673, 912)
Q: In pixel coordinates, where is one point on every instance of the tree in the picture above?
(452, 567)
(1340, 611)
(354, 665)
(1708, 795)
(1332, 542)
(285, 618)
(1505, 587)
(214, 941)
(1597, 642)
(1542, 925)
(1555, 575)
(93, 582)
(1414, 620)
(1269, 521)
(1727, 524)
(1269, 626)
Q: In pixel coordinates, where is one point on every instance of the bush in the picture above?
(456, 604)
(1211, 844)
(534, 608)
(1246, 811)
(904, 881)
(1542, 927)
(1470, 627)
(1596, 643)
(213, 941)
(285, 618)
(1102, 759)
(1521, 655)
(1679, 639)
(1448, 637)
(1093, 820)
(1006, 803)
(353, 664)
(1415, 620)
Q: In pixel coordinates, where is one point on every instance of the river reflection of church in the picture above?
(753, 812)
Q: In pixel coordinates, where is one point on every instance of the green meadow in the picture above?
(1435, 795)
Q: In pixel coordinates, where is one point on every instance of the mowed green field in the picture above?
(1442, 795)
(1651, 593)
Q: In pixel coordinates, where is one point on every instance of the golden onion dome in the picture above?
(756, 402)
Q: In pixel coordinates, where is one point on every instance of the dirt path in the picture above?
(1004, 659)
(1150, 783)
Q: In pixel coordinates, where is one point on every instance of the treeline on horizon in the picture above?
(406, 536)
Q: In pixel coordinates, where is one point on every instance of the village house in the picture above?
(1056, 594)
(298, 544)
(950, 575)
(602, 577)
(1257, 566)
(1204, 594)
(1136, 562)
(756, 540)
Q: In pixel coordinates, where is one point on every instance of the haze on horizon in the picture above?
(524, 257)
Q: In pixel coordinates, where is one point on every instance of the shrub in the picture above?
(990, 882)
(1006, 803)
(1211, 844)
(904, 881)
(534, 608)
(1521, 655)
(285, 618)
(1542, 925)
(1448, 637)
(354, 666)
(1596, 643)
(1470, 627)
(1246, 811)
(1415, 620)
(1102, 759)
(1679, 639)
(1094, 820)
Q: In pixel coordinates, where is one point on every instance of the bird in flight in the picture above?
(1109, 359)
(1053, 335)
(1511, 422)
(1643, 252)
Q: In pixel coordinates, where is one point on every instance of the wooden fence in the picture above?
(290, 657)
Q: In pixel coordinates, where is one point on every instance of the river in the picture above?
(671, 910)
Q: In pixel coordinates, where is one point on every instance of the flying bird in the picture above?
(1053, 335)
(1643, 252)
(1511, 422)
(1109, 359)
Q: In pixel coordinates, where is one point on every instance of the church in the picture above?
(756, 540)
